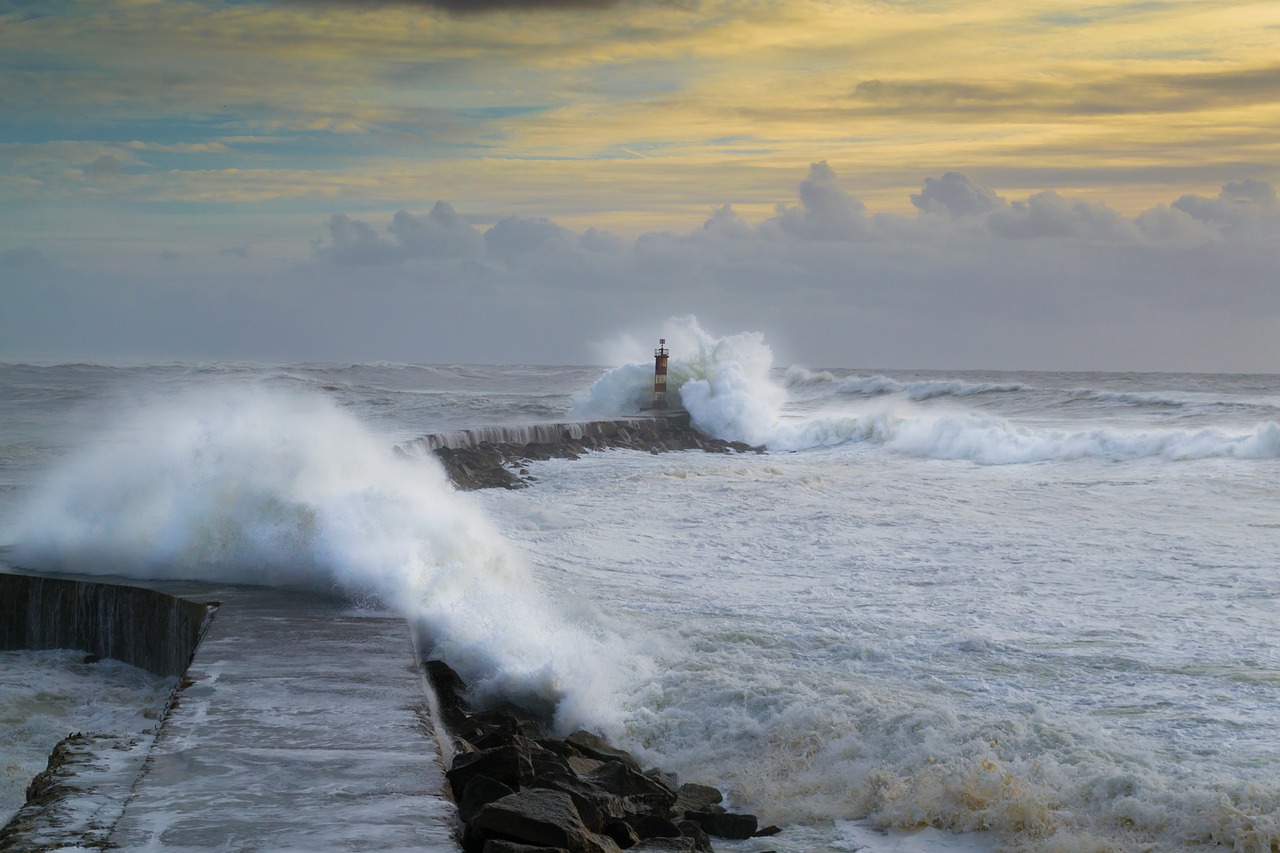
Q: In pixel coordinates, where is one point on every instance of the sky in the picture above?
(946, 184)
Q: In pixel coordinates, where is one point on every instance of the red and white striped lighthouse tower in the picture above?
(660, 375)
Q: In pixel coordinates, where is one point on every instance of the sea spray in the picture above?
(724, 384)
(728, 387)
(249, 485)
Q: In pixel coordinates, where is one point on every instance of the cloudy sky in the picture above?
(872, 183)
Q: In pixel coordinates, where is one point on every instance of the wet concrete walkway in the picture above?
(303, 727)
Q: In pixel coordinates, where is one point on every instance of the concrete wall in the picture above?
(142, 627)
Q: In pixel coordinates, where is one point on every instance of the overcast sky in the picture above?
(871, 183)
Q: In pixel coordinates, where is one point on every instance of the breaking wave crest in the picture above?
(798, 378)
(260, 487)
(726, 386)
(994, 441)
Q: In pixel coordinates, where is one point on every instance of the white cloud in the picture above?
(955, 195)
(1239, 201)
(825, 212)
(1049, 215)
(971, 280)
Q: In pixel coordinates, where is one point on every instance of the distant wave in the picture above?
(1130, 397)
(994, 441)
(799, 378)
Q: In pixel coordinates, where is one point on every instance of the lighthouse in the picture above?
(660, 375)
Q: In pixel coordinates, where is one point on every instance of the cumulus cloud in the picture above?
(441, 234)
(1049, 215)
(511, 238)
(825, 212)
(1046, 281)
(1239, 201)
(955, 194)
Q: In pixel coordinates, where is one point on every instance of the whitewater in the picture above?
(1024, 611)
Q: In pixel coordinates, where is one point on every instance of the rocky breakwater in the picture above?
(519, 790)
(498, 457)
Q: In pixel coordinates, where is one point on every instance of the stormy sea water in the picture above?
(1027, 611)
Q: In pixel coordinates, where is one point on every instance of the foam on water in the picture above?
(724, 383)
(259, 486)
(923, 656)
(727, 387)
(47, 695)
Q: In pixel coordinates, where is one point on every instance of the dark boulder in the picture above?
(621, 833)
(478, 793)
(540, 817)
(619, 779)
(594, 746)
(692, 798)
(497, 845)
(652, 826)
(505, 764)
(689, 829)
(596, 807)
(665, 845)
(726, 824)
(668, 780)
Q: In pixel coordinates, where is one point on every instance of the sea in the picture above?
(944, 610)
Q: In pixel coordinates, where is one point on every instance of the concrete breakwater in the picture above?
(300, 723)
(495, 457)
(142, 627)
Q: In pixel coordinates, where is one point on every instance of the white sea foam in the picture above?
(799, 379)
(252, 486)
(857, 635)
(990, 440)
(726, 386)
(47, 695)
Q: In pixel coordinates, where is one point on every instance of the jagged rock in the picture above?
(596, 807)
(692, 798)
(478, 793)
(668, 780)
(449, 689)
(540, 817)
(622, 833)
(767, 831)
(583, 766)
(689, 829)
(619, 779)
(505, 764)
(497, 845)
(638, 804)
(652, 826)
(594, 746)
(665, 845)
(725, 825)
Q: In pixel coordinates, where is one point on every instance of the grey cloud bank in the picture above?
(974, 280)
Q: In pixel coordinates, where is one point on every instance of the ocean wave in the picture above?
(261, 486)
(869, 386)
(723, 383)
(994, 441)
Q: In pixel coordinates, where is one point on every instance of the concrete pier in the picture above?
(301, 724)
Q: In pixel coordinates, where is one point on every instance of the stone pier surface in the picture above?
(495, 457)
(301, 724)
